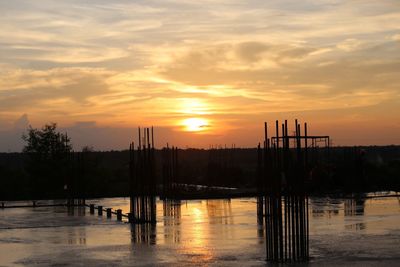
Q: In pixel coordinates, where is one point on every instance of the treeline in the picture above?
(106, 174)
(358, 169)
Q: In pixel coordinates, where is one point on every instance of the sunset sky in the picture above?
(202, 72)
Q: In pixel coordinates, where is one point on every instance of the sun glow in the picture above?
(195, 124)
(194, 106)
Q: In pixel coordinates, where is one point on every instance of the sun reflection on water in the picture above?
(197, 248)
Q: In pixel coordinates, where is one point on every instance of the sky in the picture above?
(201, 72)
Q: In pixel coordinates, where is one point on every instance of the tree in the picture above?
(46, 142)
(47, 153)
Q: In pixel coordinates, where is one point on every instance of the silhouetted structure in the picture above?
(222, 169)
(142, 179)
(283, 165)
(170, 172)
(75, 184)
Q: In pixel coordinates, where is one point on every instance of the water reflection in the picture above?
(202, 227)
(76, 235)
(356, 226)
(260, 220)
(144, 233)
(219, 211)
(354, 206)
(325, 207)
(196, 232)
(172, 220)
(260, 230)
(76, 211)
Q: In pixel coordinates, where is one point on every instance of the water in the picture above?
(200, 233)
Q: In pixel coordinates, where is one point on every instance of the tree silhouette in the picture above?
(47, 153)
(47, 141)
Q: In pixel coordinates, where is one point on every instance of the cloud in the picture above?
(11, 138)
(349, 45)
(156, 62)
(28, 88)
(22, 123)
(296, 79)
(251, 51)
(396, 37)
(84, 124)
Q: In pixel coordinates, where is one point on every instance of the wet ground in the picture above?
(343, 232)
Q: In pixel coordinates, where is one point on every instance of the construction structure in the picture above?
(142, 182)
(283, 165)
(170, 172)
(75, 184)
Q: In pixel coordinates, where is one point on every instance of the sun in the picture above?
(195, 124)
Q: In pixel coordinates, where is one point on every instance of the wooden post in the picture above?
(91, 208)
(100, 210)
(108, 210)
(131, 217)
(119, 215)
